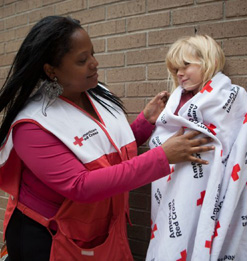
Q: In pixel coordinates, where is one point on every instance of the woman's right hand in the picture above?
(181, 147)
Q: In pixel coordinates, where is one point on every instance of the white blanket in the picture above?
(199, 212)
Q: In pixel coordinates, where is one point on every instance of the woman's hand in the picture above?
(181, 147)
(155, 106)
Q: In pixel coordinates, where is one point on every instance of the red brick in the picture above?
(147, 55)
(126, 9)
(69, 6)
(138, 232)
(15, 21)
(13, 46)
(145, 89)
(148, 21)
(6, 59)
(236, 8)
(117, 89)
(38, 14)
(98, 45)
(157, 71)
(134, 105)
(7, 10)
(107, 28)
(236, 66)
(240, 80)
(235, 46)
(198, 13)
(169, 35)
(22, 32)
(153, 5)
(6, 36)
(93, 3)
(224, 29)
(126, 42)
(110, 60)
(90, 16)
(126, 74)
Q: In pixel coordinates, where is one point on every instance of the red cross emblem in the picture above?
(78, 141)
(235, 171)
(211, 128)
(172, 170)
(153, 230)
(200, 200)
(208, 244)
(183, 256)
(245, 118)
(207, 87)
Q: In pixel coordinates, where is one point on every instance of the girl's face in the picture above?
(78, 69)
(190, 77)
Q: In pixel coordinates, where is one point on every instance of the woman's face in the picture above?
(77, 71)
(190, 77)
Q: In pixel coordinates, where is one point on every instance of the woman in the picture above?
(68, 155)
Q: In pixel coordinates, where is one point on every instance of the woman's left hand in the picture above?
(156, 106)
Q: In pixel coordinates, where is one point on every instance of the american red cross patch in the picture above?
(172, 170)
(78, 141)
(200, 200)
(207, 87)
(211, 128)
(208, 244)
(245, 118)
(236, 168)
(153, 230)
(183, 256)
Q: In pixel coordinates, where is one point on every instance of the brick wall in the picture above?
(131, 38)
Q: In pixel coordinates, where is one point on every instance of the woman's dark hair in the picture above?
(47, 42)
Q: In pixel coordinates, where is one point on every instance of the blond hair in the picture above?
(199, 49)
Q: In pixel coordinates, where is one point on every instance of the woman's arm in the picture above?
(57, 167)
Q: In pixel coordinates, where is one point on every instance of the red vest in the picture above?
(86, 231)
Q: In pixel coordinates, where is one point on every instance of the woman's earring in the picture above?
(51, 89)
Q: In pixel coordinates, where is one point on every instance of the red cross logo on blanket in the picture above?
(172, 170)
(208, 244)
(183, 256)
(153, 230)
(207, 87)
(235, 170)
(200, 200)
(211, 128)
(245, 118)
(78, 141)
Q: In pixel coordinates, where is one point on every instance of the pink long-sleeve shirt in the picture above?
(51, 172)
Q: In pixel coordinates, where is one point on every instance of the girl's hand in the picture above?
(156, 106)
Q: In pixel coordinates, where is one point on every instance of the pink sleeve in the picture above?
(142, 129)
(57, 167)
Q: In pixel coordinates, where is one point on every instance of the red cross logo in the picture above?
(172, 170)
(153, 230)
(211, 128)
(245, 118)
(207, 87)
(208, 244)
(78, 141)
(200, 200)
(183, 256)
(235, 171)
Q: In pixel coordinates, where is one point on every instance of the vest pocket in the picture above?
(113, 247)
